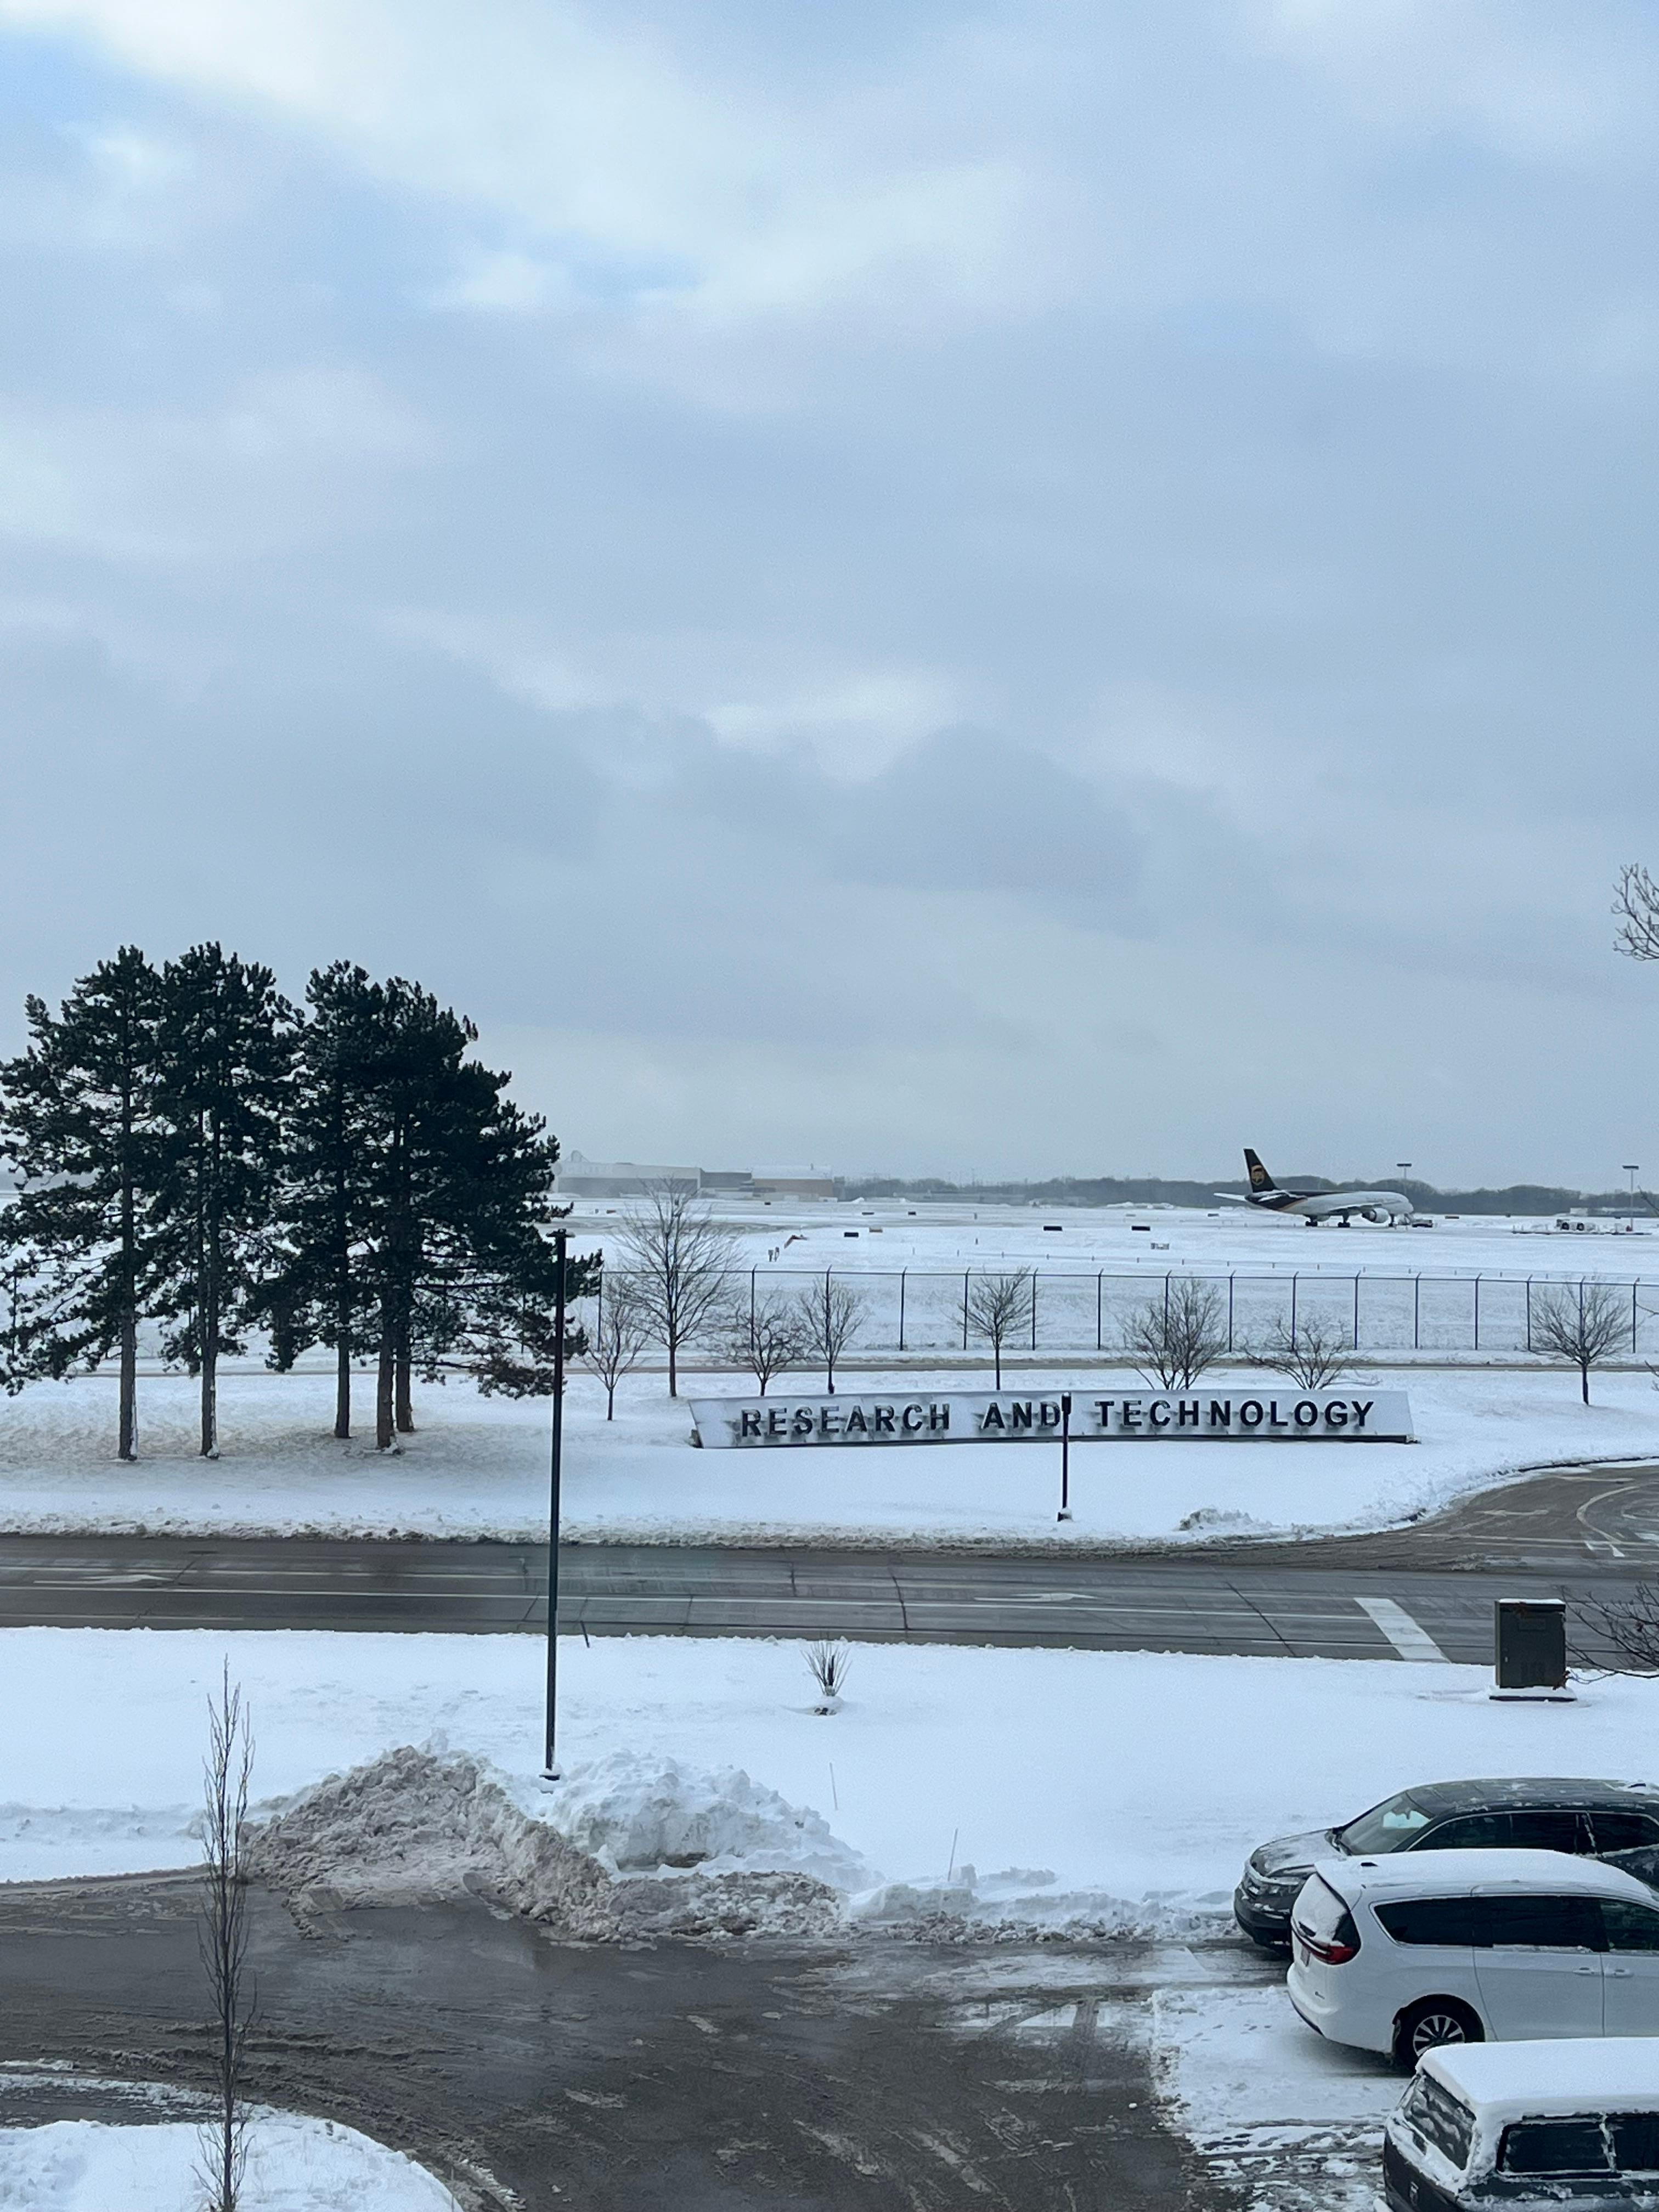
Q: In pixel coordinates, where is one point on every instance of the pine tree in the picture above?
(458, 1202)
(80, 1126)
(226, 1038)
(322, 1292)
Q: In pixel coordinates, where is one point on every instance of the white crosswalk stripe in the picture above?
(1410, 1641)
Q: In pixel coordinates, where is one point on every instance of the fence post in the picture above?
(751, 1302)
(1229, 1311)
(1166, 1304)
(1529, 1313)
(1100, 1342)
(1293, 1282)
(1417, 1313)
(1477, 1313)
(965, 1309)
(1633, 1318)
(1035, 1272)
(902, 1272)
(1356, 1310)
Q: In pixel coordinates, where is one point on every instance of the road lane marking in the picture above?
(1410, 1641)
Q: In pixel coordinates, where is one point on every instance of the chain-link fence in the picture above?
(913, 1310)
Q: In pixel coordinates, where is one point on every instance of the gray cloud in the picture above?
(926, 589)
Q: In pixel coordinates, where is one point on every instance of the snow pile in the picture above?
(415, 1824)
(639, 1815)
(294, 2165)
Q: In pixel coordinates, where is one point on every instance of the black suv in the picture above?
(1613, 1820)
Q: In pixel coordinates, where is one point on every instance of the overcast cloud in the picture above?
(1016, 587)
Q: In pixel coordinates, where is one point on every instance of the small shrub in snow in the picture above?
(827, 1662)
(1176, 1335)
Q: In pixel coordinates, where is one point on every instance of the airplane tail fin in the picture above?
(1259, 1179)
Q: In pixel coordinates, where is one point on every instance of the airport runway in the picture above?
(1424, 1592)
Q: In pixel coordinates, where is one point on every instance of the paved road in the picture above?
(1424, 1592)
(868, 2077)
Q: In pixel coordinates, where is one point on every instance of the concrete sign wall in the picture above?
(1356, 1415)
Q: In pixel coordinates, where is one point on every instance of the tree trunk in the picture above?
(210, 1393)
(1583, 1380)
(611, 1402)
(128, 1448)
(384, 1428)
(673, 1369)
(404, 1403)
(343, 1383)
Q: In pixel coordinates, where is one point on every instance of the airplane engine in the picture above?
(1375, 1213)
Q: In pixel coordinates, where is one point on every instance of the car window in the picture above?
(1470, 1831)
(1532, 1830)
(1576, 2146)
(1388, 1827)
(1623, 1831)
(1430, 1920)
(1550, 1924)
(1439, 2118)
(1630, 1927)
(1635, 2142)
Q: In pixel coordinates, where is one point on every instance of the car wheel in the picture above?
(1428, 2025)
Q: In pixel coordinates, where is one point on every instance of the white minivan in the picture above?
(1403, 1952)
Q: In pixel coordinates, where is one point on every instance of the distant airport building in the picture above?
(794, 1183)
(581, 1177)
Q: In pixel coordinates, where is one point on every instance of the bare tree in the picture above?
(621, 1331)
(681, 1261)
(226, 1772)
(999, 1308)
(1176, 1335)
(1313, 1353)
(1580, 1326)
(1636, 905)
(831, 1314)
(767, 1338)
(1629, 1625)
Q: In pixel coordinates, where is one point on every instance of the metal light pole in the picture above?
(549, 1764)
(1632, 1169)
(1405, 1168)
(1065, 1512)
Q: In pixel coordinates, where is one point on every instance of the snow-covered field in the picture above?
(892, 1233)
(477, 1467)
(1121, 1789)
(295, 2165)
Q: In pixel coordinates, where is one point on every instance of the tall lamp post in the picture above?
(1632, 1169)
(550, 1763)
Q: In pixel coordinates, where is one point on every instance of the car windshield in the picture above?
(1388, 1827)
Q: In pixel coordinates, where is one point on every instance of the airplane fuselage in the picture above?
(1311, 1206)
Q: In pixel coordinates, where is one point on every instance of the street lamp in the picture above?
(1065, 1512)
(1632, 1169)
(549, 1764)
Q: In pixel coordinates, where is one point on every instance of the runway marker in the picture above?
(1410, 1641)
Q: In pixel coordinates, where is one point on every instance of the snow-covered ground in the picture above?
(1116, 1788)
(1292, 2123)
(884, 1233)
(477, 1467)
(295, 2165)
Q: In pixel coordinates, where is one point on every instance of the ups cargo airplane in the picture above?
(1316, 1205)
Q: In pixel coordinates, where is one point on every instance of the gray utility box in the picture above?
(1531, 1643)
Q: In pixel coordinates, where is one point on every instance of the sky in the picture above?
(989, 589)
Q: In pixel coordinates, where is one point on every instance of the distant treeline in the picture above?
(1520, 1198)
(193, 1152)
